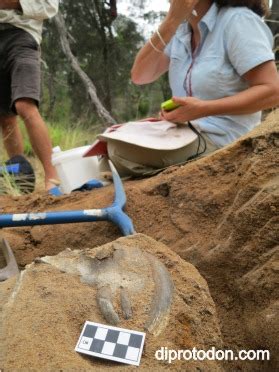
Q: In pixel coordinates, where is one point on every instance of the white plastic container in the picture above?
(74, 170)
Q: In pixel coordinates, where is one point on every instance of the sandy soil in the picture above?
(50, 307)
(219, 213)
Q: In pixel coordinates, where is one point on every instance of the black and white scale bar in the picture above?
(111, 343)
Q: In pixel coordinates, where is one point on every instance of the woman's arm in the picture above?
(150, 64)
(263, 93)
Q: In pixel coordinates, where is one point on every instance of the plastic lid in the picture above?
(69, 155)
(56, 149)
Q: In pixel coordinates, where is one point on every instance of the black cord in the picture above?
(200, 139)
(193, 157)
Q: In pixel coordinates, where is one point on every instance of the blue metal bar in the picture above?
(114, 213)
(120, 196)
(122, 220)
(52, 218)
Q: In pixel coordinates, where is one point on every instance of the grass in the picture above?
(67, 137)
(8, 185)
(61, 134)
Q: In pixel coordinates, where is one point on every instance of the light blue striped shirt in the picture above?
(233, 41)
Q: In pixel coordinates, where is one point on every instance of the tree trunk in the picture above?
(273, 22)
(51, 94)
(90, 87)
(273, 18)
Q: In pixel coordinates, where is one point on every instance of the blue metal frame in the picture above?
(113, 213)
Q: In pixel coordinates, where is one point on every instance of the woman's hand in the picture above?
(262, 94)
(191, 108)
(151, 63)
(181, 9)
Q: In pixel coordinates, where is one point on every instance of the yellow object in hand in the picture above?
(169, 105)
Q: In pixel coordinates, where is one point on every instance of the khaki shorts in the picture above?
(132, 160)
(19, 68)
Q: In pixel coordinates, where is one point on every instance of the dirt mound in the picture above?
(49, 320)
(219, 213)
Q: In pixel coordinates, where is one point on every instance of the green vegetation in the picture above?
(105, 47)
(64, 135)
(8, 184)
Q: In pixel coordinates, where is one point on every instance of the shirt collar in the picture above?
(209, 20)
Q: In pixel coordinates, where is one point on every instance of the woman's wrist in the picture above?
(162, 36)
(164, 33)
(208, 107)
(170, 23)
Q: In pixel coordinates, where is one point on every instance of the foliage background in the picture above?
(105, 47)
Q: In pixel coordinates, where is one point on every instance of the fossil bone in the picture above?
(124, 271)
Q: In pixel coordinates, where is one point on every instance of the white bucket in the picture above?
(74, 170)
